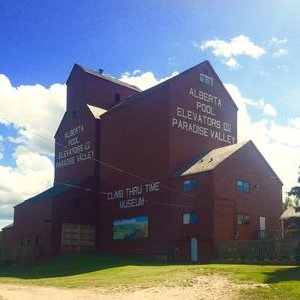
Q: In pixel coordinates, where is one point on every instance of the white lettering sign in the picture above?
(205, 97)
(203, 120)
(140, 201)
(134, 195)
(75, 151)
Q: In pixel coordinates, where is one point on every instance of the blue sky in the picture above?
(252, 45)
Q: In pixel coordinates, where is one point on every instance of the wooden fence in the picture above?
(291, 234)
(279, 249)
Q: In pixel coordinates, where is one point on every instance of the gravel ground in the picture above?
(203, 287)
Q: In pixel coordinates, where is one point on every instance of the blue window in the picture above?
(190, 218)
(243, 186)
(189, 185)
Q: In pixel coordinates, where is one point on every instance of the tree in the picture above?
(295, 193)
(288, 202)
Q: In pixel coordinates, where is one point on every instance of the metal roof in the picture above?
(214, 158)
(290, 212)
(11, 225)
(54, 191)
(50, 193)
(139, 96)
(109, 78)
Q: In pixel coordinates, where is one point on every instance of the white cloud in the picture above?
(35, 112)
(280, 52)
(144, 80)
(269, 110)
(277, 41)
(277, 46)
(135, 72)
(279, 144)
(244, 120)
(17, 140)
(33, 174)
(232, 63)
(237, 46)
(295, 122)
(284, 68)
(4, 222)
(265, 108)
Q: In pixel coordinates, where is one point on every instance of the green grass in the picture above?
(283, 281)
(130, 272)
(94, 271)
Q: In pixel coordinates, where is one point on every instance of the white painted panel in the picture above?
(262, 223)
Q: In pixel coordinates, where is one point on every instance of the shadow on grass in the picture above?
(288, 274)
(75, 265)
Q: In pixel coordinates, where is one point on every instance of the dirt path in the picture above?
(203, 287)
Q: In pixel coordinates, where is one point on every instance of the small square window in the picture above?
(243, 219)
(239, 219)
(193, 218)
(239, 185)
(190, 218)
(186, 218)
(206, 79)
(243, 186)
(246, 219)
(189, 185)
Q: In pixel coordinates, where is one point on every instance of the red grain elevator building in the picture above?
(158, 171)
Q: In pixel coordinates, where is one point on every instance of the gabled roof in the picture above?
(9, 226)
(48, 194)
(54, 191)
(290, 212)
(138, 96)
(213, 159)
(103, 76)
(96, 111)
(216, 157)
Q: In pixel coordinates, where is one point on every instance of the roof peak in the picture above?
(212, 159)
(105, 77)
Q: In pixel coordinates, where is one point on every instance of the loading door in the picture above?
(77, 238)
